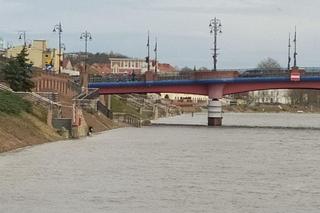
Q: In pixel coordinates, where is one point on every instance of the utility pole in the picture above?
(22, 35)
(295, 48)
(148, 46)
(289, 53)
(215, 28)
(58, 27)
(86, 36)
(156, 56)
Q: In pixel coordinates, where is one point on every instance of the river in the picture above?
(253, 164)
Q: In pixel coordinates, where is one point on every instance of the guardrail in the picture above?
(5, 88)
(34, 97)
(104, 110)
(127, 119)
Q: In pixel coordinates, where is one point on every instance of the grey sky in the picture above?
(252, 29)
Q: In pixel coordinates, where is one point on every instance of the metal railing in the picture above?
(5, 88)
(104, 110)
(195, 75)
(116, 78)
(126, 118)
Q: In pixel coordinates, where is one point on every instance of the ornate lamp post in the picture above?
(86, 36)
(295, 48)
(215, 28)
(58, 28)
(156, 56)
(23, 36)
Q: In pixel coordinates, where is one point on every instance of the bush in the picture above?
(13, 104)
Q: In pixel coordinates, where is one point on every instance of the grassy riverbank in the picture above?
(22, 124)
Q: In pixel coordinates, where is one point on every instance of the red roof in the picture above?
(166, 68)
(100, 69)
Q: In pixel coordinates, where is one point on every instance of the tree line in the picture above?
(101, 58)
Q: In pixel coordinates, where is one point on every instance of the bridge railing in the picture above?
(201, 75)
(116, 78)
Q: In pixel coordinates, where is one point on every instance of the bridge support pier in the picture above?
(215, 113)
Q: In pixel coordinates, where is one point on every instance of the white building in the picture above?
(128, 65)
(178, 96)
(279, 96)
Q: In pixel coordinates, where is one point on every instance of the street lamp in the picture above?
(22, 35)
(86, 36)
(215, 28)
(295, 48)
(58, 28)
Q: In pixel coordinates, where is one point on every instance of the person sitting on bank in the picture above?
(90, 131)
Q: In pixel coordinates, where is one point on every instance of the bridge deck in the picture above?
(200, 82)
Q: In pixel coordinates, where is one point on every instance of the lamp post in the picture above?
(156, 56)
(23, 36)
(295, 48)
(289, 53)
(215, 28)
(58, 28)
(148, 48)
(86, 36)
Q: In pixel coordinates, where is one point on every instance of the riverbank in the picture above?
(272, 108)
(18, 131)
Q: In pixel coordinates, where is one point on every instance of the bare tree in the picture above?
(269, 64)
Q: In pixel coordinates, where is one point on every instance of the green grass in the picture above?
(121, 106)
(13, 104)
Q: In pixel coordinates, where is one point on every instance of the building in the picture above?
(139, 66)
(68, 68)
(128, 65)
(39, 54)
(178, 96)
(280, 96)
(166, 68)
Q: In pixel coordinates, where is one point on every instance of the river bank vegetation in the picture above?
(22, 124)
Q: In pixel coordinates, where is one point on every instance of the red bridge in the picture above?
(213, 84)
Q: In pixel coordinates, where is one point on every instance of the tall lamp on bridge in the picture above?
(86, 36)
(215, 28)
(58, 28)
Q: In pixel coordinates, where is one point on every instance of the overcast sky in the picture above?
(252, 29)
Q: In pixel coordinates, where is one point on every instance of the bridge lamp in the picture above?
(215, 27)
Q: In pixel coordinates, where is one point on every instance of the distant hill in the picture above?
(100, 58)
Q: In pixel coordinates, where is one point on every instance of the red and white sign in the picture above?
(295, 76)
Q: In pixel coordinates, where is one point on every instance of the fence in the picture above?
(128, 119)
(5, 88)
(104, 110)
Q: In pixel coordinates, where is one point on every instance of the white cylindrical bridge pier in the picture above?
(215, 113)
